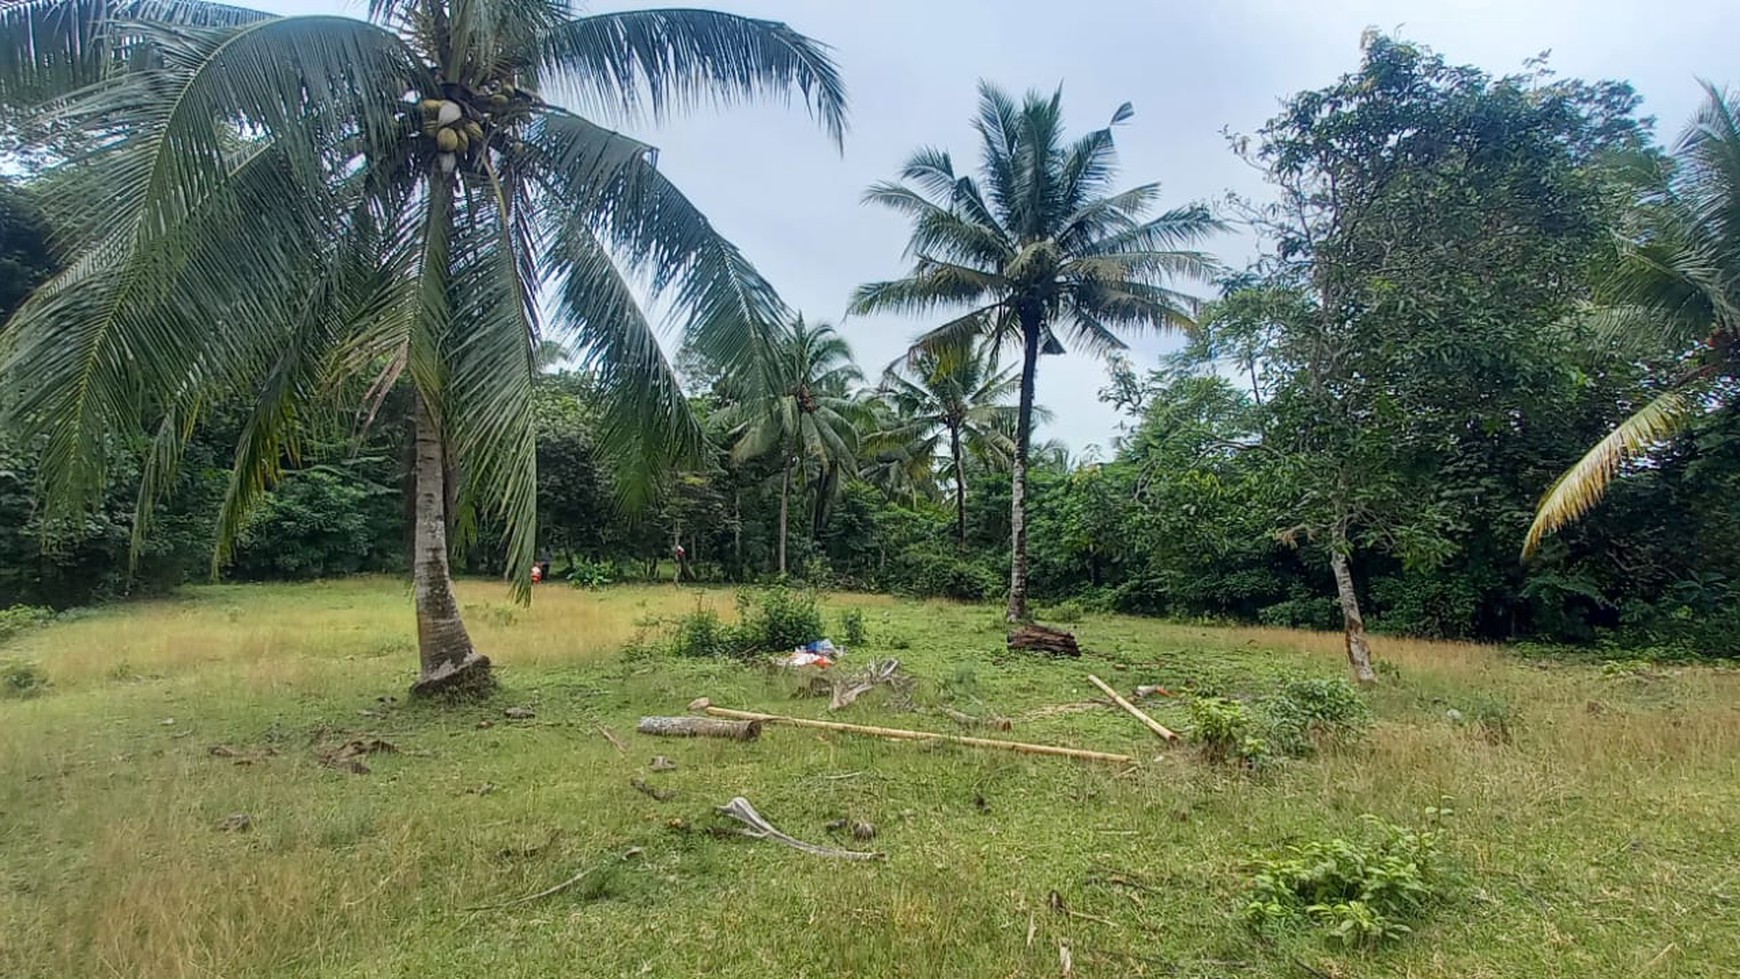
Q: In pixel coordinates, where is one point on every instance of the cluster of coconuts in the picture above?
(454, 134)
(457, 128)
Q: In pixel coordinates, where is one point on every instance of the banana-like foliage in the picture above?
(279, 206)
(1676, 287)
(1035, 251)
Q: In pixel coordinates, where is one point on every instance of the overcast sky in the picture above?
(772, 182)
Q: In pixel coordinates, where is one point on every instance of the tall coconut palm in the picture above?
(1036, 250)
(1677, 282)
(797, 407)
(958, 400)
(272, 205)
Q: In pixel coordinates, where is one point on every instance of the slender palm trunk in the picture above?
(1018, 484)
(784, 510)
(449, 663)
(1353, 625)
(960, 487)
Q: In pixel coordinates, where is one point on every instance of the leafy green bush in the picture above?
(590, 574)
(21, 678)
(702, 634)
(929, 573)
(1308, 711)
(852, 630)
(1227, 732)
(778, 619)
(20, 618)
(1310, 612)
(1356, 893)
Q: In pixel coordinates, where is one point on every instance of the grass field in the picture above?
(1602, 840)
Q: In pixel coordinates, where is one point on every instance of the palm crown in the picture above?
(1677, 283)
(272, 205)
(1036, 250)
(797, 406)
(956, 402)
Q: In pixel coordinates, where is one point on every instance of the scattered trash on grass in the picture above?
(820, 653)
(520, 713)
(662, 764)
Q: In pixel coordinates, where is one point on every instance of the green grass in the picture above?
(1599, 841)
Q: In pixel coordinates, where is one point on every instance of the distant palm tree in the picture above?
(1037, 249)
(956, 399)
(797, 407)
(273, 205)
(1678, 282)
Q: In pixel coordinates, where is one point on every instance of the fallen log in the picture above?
(1133, 710)
(700, 727)
(759, 828)
(905, 735)
(1044, 639)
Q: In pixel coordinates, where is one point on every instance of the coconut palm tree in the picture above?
(955, 399)
(274, 205)
(1036, 250)
(1677, 284)
(797, 406)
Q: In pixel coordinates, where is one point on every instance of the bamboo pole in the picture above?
(1136, 712)
(904, 735)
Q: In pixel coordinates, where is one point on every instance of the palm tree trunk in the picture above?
(1353, 626)
(784, 509)
(960, 488)
(449, 663)
(1018, 477)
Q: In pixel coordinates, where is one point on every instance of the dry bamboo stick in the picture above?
(904, 735)
(1136, 712)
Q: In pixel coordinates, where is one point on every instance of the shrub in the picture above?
(590, 574)
(779, 619)
(1356, 893)
(1227, 732)
(852, 631)
(701, 634)
(20, 618)
(1315, 612)
(21, 678)
(927, 573)
(1307, 711)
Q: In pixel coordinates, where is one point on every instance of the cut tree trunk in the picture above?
(1018, 472)
(784, 511)
(450, 665)
(700, 727)
(1044, 639)
(1353, 626)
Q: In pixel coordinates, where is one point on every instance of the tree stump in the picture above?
(700, 727)
(1044, 639)
(469, 679)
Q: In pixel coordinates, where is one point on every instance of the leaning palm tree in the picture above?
(1036, 250)
(958, 399)
(274, 206)
(797, 407)
(1677, 283)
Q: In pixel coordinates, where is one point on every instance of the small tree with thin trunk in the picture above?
(1036, 250)
(274, 205)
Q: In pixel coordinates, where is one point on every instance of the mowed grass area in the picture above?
(1601, 841)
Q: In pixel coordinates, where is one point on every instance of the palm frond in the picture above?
(1582, 486)
(671, 59)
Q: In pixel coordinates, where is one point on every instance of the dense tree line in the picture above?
(1447, 314)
